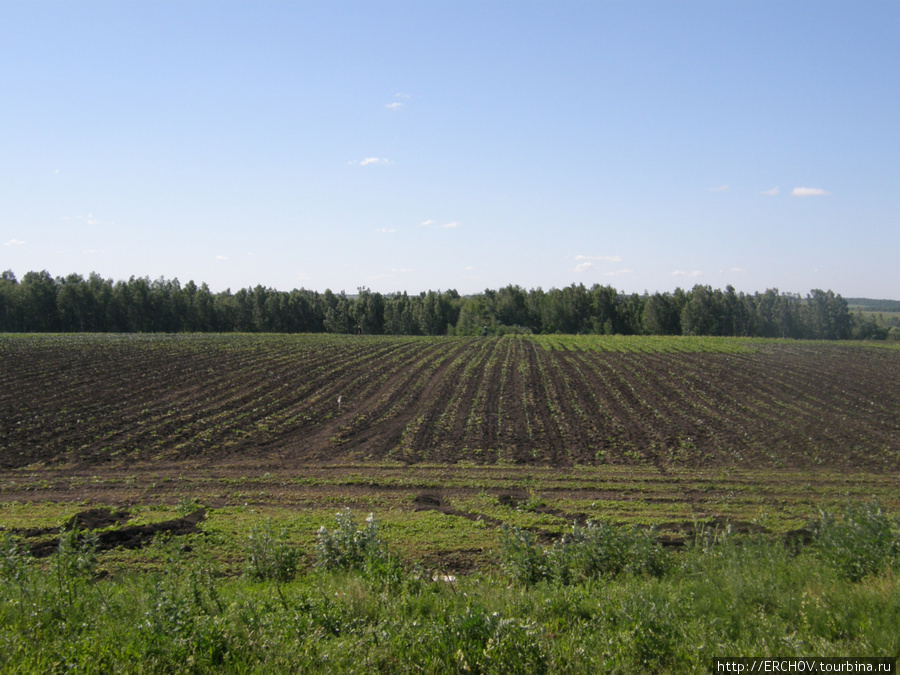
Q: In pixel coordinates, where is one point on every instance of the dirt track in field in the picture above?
(84, 401)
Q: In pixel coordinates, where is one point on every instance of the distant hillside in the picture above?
(870, 305)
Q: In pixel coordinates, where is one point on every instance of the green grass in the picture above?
(724, 596)
(650, 343)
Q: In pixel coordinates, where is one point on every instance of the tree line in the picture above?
(41, 303)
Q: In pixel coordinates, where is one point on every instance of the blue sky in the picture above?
(467, 145)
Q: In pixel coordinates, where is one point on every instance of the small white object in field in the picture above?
(446, 578)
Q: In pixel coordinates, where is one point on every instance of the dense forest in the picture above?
(871, 305)
(41, 303)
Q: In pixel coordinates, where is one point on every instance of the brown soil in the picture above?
(208, 399)
(129, 537)
(148, 419)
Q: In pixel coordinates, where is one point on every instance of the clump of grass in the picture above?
(595, 551)
(14, 566)
(865, 540)
(187, 505)
(346, 546)
(270, 555)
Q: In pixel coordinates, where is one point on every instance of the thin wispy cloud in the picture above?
(808, 192)
(446, 226)
(221, 257)
(13, 242)
(370, 161)
(681, 273)
(583, 267)
(721, 188)
(618, 273)
(771, 193)
(391, 273)
(601, 258)
(386, 230)
(396, 105)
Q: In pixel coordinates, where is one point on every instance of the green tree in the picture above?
(368, 311)
(338, 318)
(829, 316)
(37, 294)
(660, 315)
(9, 302)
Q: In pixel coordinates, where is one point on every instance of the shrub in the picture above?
(270, 556)
(602, 550)
(864, 541)
(597, 550)
(522, 559)
(14, 564)
(74, 564)
(346, 547)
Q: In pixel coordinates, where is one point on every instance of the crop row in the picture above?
(558, 400)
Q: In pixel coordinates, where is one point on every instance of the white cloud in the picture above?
(738, 270)
(445, 226)
(396, 105)
(221, 257)
(91, 220)
(13, 242)
(680, 273)
(401, 95)
(604, 258)
(617, 273)
(370, 160)
(385, 230)
(808, 192)
(583, 267)
(721, 188)
(771, 193)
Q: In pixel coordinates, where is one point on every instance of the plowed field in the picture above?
(80, 401)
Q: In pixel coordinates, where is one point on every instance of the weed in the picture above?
(346, 547)
(14, 565)
(269, 555)
(595, 551)
(186, 506)
(522, 558)
(864, 541)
